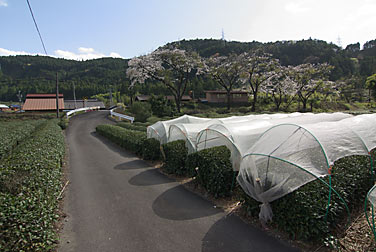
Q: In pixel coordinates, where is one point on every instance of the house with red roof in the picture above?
(42, 102)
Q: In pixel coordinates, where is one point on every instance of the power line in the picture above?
(36, 26)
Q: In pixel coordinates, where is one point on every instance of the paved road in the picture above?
(116, 202)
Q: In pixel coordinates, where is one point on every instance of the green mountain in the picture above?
(37, 74)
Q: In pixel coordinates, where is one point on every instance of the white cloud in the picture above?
(3, 3)
(83, 54)
(5, 52)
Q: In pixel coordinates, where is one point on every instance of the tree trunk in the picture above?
(254, 102)
(178, 103)
(304, 102)
(228, 99)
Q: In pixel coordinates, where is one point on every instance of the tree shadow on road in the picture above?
(178, 203)
(149, 177)
(132, 165)
(230, 233)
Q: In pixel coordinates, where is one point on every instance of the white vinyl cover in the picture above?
(160, 129)
(288, 156)
(372, 196)
(240, 136)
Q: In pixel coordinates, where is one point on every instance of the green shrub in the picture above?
(301, 214)
(161, 106)
(175, 156)
(141, 111)
(151, 149)
(63, 123)
(223, 111)
(131, 126)
(213, 170)
(145, 124)
(131, 140)
(14, 132)
(30, 182)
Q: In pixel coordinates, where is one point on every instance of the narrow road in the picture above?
(116, 202)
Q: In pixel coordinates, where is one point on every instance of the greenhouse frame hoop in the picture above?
(371, 225)
(220, 133)
(185, 135)
(320, 179)
(324, 152)
(326, 160)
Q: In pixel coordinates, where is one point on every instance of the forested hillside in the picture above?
(37, 74)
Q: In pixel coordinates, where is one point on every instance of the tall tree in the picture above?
(309, 78)
(281, 87)
(174, 68)
(259, 68)
(227, 72)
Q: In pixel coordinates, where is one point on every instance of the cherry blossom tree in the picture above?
(175, 68)
(309, 78)
(227, 72)
(259, 67)
(281, 87)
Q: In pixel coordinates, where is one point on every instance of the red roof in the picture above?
(42, 104)
(43, 96)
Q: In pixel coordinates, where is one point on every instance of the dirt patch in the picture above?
(358, 237)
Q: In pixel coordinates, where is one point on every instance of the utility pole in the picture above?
(74, 96)
(19, 95)
(57, 96)
(110, 96)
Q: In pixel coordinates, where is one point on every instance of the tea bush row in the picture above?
(302, 213)
(13, 133)
(30, 182)
(132, 140)
(131, 126)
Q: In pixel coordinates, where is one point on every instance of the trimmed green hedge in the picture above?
(30, 182)
(151, 149)
(132, 140)
(131, 126)
(129, 139)
(213, 170)
(301, 214)
(12, 133)
(175, 155)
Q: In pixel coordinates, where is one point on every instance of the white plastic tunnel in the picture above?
(239, 137)
(159, 130)
(287, 156)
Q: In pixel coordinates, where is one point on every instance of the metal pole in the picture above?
(57, 96)
(74, 96)
(110, 96)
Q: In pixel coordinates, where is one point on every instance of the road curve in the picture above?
(117, 202)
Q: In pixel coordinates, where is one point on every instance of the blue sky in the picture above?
(84, 29)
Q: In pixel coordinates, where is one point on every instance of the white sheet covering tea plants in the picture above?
(287, 156)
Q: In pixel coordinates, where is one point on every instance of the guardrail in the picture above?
(72, 112)
(121, 116)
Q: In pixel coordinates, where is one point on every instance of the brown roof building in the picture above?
(184, 98)
(42, 102)
(220, 96)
